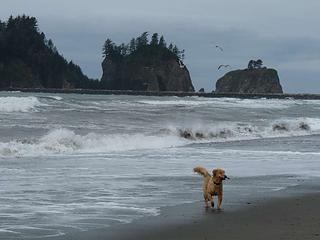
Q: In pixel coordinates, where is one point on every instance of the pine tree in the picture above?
(162, 42)
(108, 48)
(133, 45)
(123, 49)
(142, 40)
(175, 50)
(154, 39)
(251, 64)
(258, 63)
(182, 55)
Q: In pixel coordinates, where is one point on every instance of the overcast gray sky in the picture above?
(283, 33)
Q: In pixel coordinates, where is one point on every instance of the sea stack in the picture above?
(145, 66)
(154, 75)
(260, 80)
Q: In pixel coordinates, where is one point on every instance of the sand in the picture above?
(277, 217)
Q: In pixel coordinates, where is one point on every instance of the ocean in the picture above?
(71, 162)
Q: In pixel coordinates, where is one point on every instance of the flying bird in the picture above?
(225, 66)
(220, 48)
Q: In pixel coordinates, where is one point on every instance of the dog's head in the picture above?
(219, 174)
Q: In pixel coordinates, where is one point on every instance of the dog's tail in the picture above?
(202, 171)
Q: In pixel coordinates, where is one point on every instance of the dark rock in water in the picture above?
(247, 129)
(304, 126)
(200, 135)
(154, 75)
(201, 90)
(260, 80)
(187, 134)
(224, 133)
(280, 127)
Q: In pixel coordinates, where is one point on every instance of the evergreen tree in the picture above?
(123, 49)
(162, 42)
(108, 48)
(258, 63)
(154, 39)
(251, 64)
(50, 44)
(132, 45)
(182, 55)
(175, 50)
(142, 40)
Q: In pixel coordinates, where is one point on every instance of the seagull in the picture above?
(181, 64)
(220, 48)
(222, 65)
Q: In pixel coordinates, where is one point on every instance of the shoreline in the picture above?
(303, 96)
(290, 214)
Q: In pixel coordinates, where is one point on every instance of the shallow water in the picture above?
(79, 162)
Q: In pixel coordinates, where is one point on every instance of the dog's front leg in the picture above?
(219, 201)
(211, 200)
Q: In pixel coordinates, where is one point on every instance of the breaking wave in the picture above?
(65, 141)
(19, 104)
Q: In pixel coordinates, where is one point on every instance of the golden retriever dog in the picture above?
(212, 185)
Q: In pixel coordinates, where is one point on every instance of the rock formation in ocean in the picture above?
(257, 80)
(159, 75)
(144, 66)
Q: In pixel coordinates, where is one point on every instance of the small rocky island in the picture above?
(254, 79)
(145, 66)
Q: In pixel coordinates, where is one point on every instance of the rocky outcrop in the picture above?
(154, 75)
(262, 80)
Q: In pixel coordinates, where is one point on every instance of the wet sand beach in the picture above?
(292, 217)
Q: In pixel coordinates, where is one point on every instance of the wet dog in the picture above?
(212, 185)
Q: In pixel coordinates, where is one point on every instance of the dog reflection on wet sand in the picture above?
(212, 185)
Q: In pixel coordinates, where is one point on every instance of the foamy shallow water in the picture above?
(79, 162)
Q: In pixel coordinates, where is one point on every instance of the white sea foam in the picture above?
(64, 141)
(58, 98)
(225, 102)
(8, 231)
(18, 104)
(175, 102)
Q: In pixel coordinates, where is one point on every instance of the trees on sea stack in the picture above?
(142, 47)
(146, 63)
(255, 64)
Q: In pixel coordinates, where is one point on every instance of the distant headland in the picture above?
(28, 60)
